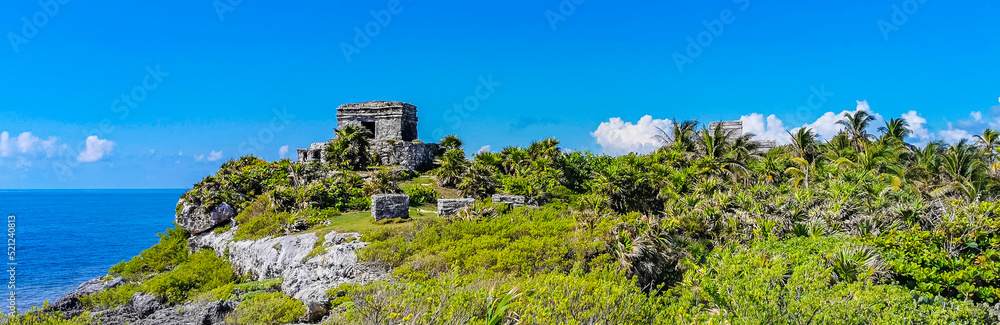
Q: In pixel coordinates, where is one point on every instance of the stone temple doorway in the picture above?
(370, 126)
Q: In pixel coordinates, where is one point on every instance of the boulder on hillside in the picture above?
(194, 220)
(71, 300)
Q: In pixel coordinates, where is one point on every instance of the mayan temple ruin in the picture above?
(393, 127)
(734, 129)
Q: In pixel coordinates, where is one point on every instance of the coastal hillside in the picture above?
(711, 228)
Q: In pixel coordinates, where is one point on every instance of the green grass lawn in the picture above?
(444, 193)
(361, 221)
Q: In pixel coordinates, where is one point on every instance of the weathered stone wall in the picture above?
(315, 152)
(450, 207)
(389, 129)
(514, 200)
(389, 206)
(734, 129)
(393, 120)
(409, 155)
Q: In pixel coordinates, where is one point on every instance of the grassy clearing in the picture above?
(362, 222)
(443, 192)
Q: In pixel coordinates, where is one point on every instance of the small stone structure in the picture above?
(734, 129)
(450, 207)
(393, 126)
(513, 200)
(315, 152)
(390, 206)
(385, 120)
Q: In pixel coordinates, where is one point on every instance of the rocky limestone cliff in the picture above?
(307, 274)
(305, 277)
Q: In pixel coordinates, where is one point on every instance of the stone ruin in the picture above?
(734, 129)
(512, 200)
(390, 206)
(393, 127)
(450, 207)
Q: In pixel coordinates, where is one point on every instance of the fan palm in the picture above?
(350, 148)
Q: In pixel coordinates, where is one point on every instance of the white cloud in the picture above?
(96, 149)
(485, 148)
(953, 135)
(199, 157)
(27, 143)
(618, 137)
(283, 151)
(772, 129)
(214, 155)
(917, 126)
(5, 147)
(826, 126)
(976, 116)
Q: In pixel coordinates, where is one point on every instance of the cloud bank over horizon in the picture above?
(619, 137)
(26, 147)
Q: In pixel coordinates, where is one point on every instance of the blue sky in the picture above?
(206, 81)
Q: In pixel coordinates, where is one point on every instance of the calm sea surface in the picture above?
(65, 237)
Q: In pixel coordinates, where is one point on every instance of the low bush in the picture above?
(43, 315)
(169, 252)
(957, 260)
(110, 298)
(600, 297)
(420, 194)
(266, 309)
(203, 272)
(519, 242)
(789, 282)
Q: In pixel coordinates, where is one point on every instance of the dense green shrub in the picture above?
(203, 272)
(957, 259)
(110, 298)
(169, 252)
(45, 316)
(267, 309)
(519, 242)
(420, 194)
(600, 297)
(789, 283)
(239, 181)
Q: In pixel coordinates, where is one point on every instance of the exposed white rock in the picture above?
(306, 279)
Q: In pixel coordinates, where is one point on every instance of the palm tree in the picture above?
(547, 148)
(964, 169)
(879, 160)
(681, 136)
(450, 142)
(989, 141)
(513, 157)
(804, 146)
(453, 167)
(350, 148)
(805, 143)
(716, 154)
(800, 173)
(895, 130)
(926, 163)
(856, 126)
